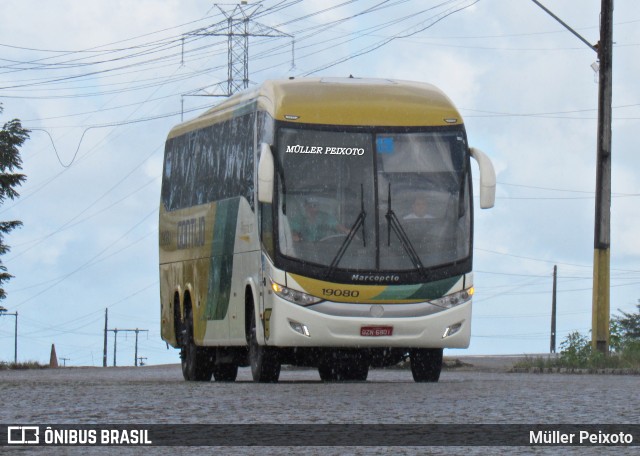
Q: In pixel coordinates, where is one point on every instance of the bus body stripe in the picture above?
(390, 294)
(221, 263)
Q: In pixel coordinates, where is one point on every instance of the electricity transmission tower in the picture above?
(238, 27)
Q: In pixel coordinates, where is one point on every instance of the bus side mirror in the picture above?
(265, 174)
(487, 178)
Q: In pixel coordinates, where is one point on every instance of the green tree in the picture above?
(575, 350)
(629, 324)
(624, 342)
(616, 336)
(12, 136)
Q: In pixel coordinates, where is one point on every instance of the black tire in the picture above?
(265, 365)
(225, 372)
(197, 362)
(344, 370)
(328, 373)
(426, 364)
(358, 371)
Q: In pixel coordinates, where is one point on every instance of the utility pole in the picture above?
(115, 342)
(602, 232)
(135, 353)
(15, 339)
(3, 312)
(602, 237)
(64, 361)
(104, 348)
(238, 27)
(115, 345)
(553, 310)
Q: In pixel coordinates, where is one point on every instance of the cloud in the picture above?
(523, 85)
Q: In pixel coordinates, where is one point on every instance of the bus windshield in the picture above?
(373, 201)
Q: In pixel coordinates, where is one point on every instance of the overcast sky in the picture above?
(103, 79)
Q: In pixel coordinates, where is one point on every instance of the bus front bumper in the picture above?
(292, 325)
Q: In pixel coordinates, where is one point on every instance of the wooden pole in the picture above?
(602, 234)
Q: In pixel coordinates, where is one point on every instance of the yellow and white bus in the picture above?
(323, 223)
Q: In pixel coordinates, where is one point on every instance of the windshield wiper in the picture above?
(394, 223)
(359, 223)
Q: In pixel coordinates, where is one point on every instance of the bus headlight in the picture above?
(454, 299)
(297, 297)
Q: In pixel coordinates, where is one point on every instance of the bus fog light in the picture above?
(451, 330)
(299, 328)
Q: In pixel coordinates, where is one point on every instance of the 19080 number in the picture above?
(340, 293)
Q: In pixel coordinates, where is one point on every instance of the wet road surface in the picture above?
(157, 394)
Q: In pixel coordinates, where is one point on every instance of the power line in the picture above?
(93, 260)
(115, 332)
(404, 34)
(266, 53)
(99, 48)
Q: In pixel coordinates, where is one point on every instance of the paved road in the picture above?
(157, 394)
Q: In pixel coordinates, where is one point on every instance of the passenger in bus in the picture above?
(419, 209)
(314, 224)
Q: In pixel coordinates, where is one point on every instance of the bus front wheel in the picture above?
(426, 364)
(265, 365)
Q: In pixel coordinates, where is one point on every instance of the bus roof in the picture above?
(337, 101)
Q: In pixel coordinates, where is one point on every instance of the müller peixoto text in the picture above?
(581, 437)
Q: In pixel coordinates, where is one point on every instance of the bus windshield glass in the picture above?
(373, 201)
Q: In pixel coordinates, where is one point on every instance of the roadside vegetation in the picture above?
(22, 366)
(576, 351)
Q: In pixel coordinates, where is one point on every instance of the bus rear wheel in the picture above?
(265, 365)
(225, 372)
(426, 364)
(197, 362)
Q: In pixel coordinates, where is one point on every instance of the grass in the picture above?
(627, 358)
(22, 366)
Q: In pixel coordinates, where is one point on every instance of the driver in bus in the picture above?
(418, 209)
(314, 224)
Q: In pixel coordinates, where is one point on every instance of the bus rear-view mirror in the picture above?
(265, 174)
(487, 178)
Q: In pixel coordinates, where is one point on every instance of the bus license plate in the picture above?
(376, 331)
